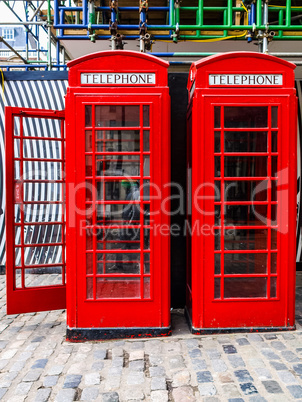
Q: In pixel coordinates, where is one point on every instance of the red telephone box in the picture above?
(242, 193)
(117, 166)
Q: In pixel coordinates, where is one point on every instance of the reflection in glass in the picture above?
(217, 239)
(274, 239)
(120, 263)
(274, 141)
(217, 141)
(43, 255)
(89, 263)
(217, 166)
(242, 215)
(217, 264)
(245, 166)
(35, 234)
(146, 263)
(116, 116)
(243, 190)
(245, 141)
(146, 140)
(274, 166)
(147, 293)
(118, 190)
(245, 263)
(274, 263)
(117, 141)
(244, 287)
(118, 288)
(89, 288)
(274, 190)
(118, 214)
(88, 116)
(245, 116)
(274, 116)
(39, 277)
(146, 239)
(88, 141)
(245, 239)
(217, 215)
(146, 118)
(146, 165)
(115, 165)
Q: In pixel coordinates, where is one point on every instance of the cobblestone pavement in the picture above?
(37, 364)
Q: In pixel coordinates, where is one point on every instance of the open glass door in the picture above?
(35, 222)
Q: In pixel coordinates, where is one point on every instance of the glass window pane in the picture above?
(42, 170)
(217, 264)
(245, 116)
(118, 288)
(42, 149)
(89, 288)
(42, 213)
(274, 166)
(42, 191)
(217, 215)
(245, 263)
(146, 165)
(39, 277)
(18, 252)
(217, 288)
(17, 169)
(146, 190)
(18, 280)
(274, 116)
(89, 263)
(217, 166)
(217, 141)
(246, 141)
(217, 239)
(243, 190)
(146, 239)
(217, 191)
(43, 234)
(38, 127)
(88, 141)
(43, 255)
(117, 116)
(119, 214)
(88, 116)
(274, 263)
(243, 215)
(118, 239)
(244, 287)
(115, 165)
(117, 141)
(274, 190)
(274, 239)
(118, 263)
(217, 116)
(117, 190)
(88, 165)
(274, 141)
(245, 239)
(245, 166)
(146, 111)
(146, 263)
(273, 286)
(146, 140)
(147, 288)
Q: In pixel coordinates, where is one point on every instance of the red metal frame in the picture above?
(207, 309)
(139, 307)
(23, 297)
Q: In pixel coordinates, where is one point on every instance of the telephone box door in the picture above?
(254, 184)
(35, 223)
(122, 262)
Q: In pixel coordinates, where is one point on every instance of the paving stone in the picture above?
(117, 352)
(192, 343)
(66, 395)
(242, 341)
(248, 388)
(219, 365)
(136, 378)
(98, 365)
(90, 394)
(7, 379)
(213, 353)
(255, 338)
(256, 362)
(41, 363)
(3, 363)
(176, 362)
(3, 392)
(204, 376)
(269, 354)
(225, 377)
(38, 339)
(277, 365)
(155, 360)
(158, 383)
(159, 396)
(287, 336)
(229, 349)
(72, 381)
(23, 388)
(112, 383)
(3, 344)
(136, 355)
(193, 353)
(33, 375)
(207, 389)
(295, 390)
(263, 373)
(243, 376)
(115, 371)
(199, 364)
(42, 395)
(290, 356)
(117, 362)
(235, 400)
(137, 345)
(100, 354)
(272, 387)
(270, 337)
(211, 399)
(156, 371)
(92, 379)
(25, 356)
(110, 397)
(183, 394)
(55, 370)
(50, 381)
(137, 365)
(9, 354)
(278, 345)
(236, 361)
(287, 377)
(181, 378)
(257, 398)
(298, 368)
(223, 339)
